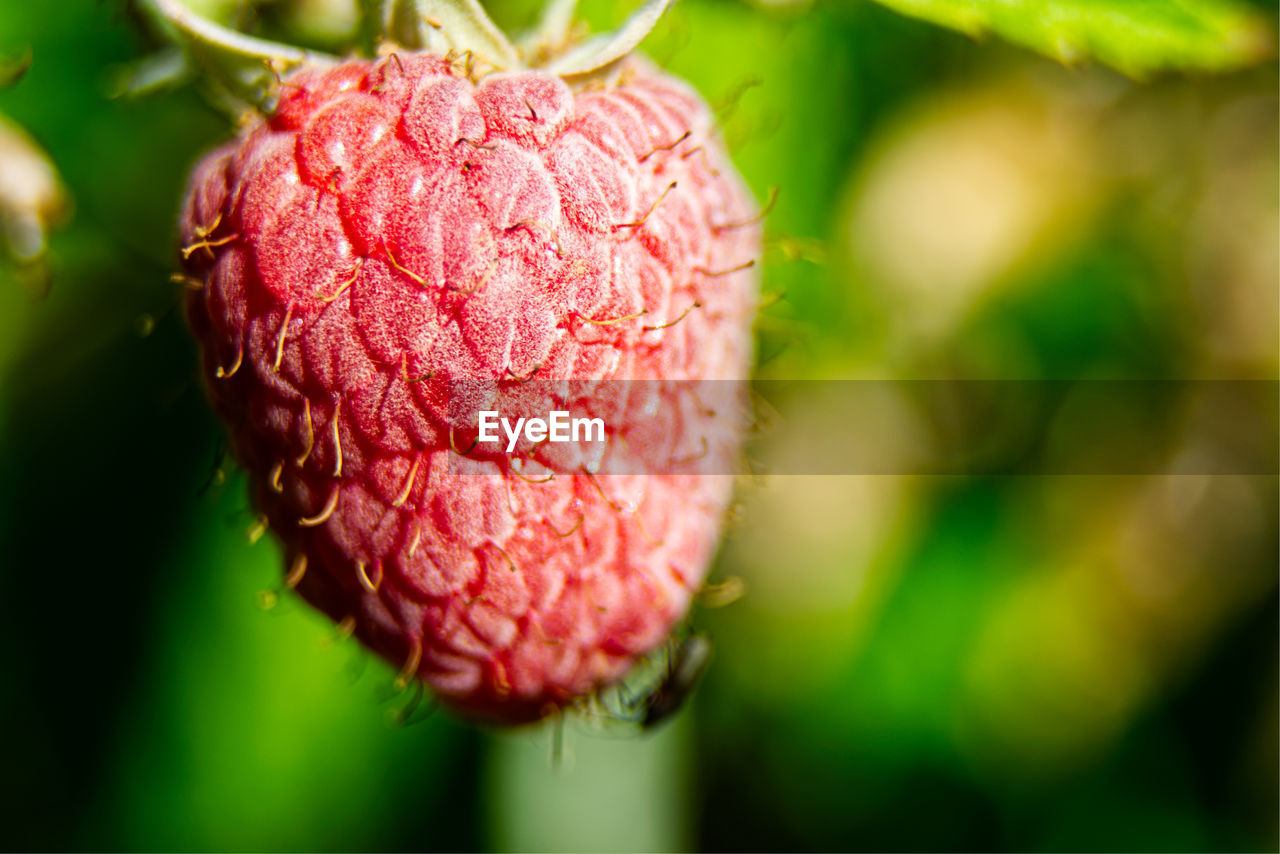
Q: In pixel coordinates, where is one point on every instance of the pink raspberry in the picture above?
(395, 228)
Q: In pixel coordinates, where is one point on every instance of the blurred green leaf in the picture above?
(1134, 36)
(13, 67)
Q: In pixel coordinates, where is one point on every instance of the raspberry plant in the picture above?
(389, 227)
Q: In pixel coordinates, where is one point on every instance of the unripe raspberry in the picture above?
(394, 229)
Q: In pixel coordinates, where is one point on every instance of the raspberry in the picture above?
(395, 227)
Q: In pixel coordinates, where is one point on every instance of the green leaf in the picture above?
(1137, 37)
(13, 68)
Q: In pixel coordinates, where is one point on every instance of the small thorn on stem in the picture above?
(799, 249)
(501, 684)
(225, 374)
(591, 476)
(680, 578)
(404, 371)
(346, 628)
(613, 321)
(671, 323)
(506, 488)
(520, 474)
(284, 331)
(706, 410)
(206, 230)
(702, 453)
(368, 583)
(715, 274)
(206, 243)
(764, 212)
(256, 530)
(479, 286)
(348, 283)
(337, 439)
(715, 173)
(468, 58)
(408, 483)
(454, 447)
(530, 224)
(396, 264)
(522, 379)
(667, 147)
(576, 525)
(311, 433)
(649, 212)
(511, 564)
(325, 512)
(411, 663)
(771, 300)
(729, 104)
(296, 572)
(724, 593)
(639, 517)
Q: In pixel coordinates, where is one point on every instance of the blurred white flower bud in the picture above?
(32, 196)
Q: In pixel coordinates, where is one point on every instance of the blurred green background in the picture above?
(1025, 663)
